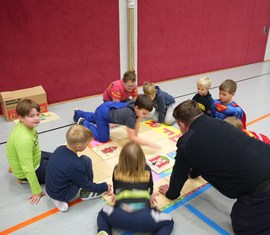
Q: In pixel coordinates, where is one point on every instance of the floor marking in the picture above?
(36, 218)
(54, 211)
(258, 119)
(215, 87)
(187, 199)
(205, 219)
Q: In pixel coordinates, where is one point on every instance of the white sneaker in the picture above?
(80, 121)
(85, 195)
(61, 206)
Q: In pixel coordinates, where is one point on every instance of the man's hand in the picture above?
(163, 189)
(35, 198)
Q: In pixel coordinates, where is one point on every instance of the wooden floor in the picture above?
(204, 212)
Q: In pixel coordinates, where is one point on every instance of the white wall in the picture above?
(123, 26)
(267, 51)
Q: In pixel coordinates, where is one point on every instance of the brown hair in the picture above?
(78, 134)
(129, 76)
(187, 111)
(229, 86)
(25, 106)
(131, 161)
(144, 102)
(236, 122)
(149, 88)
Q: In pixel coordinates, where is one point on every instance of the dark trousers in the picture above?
(74, 188)
(251, 213)
(145, 220)
(98, 122)
(41, 170)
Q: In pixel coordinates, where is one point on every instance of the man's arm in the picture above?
(178, 177)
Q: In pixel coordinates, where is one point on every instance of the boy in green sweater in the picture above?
(25, 158)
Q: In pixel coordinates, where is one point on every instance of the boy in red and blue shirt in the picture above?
(225, 106)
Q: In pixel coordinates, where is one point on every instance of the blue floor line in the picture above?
(187, 199)
(206, 220)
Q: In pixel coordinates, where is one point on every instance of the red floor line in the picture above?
(258, 119)
(36, 218)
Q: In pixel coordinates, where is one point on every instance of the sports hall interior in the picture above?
(74, 49)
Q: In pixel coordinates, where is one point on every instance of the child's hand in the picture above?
(155, 146)
(113, 197)
(35, 198)
(153, 199)
(157, 124)
(109, 188)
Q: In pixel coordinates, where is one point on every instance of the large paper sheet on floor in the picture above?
(45, 117)
(105, 156)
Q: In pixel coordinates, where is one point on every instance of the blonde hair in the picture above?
(149, 88)
(78, 134)
(204, 82)
(236, 122)
(228, 86)
(131, 161)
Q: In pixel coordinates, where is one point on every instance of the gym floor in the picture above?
(204, 212)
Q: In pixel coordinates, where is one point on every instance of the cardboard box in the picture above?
(9, 100)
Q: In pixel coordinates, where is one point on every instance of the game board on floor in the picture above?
(45, 117)
(105, 157)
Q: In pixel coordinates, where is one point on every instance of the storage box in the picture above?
(9, 100)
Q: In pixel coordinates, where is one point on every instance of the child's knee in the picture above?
(103, 139)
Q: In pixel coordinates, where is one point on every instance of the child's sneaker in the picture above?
(80, 121)
(61, 206)
(85, 195)
(102, 233)
(23, 181)
(75, 119)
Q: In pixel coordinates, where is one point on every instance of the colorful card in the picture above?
(108, 150)
(160, 163)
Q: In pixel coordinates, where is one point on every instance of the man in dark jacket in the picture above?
(235, 164)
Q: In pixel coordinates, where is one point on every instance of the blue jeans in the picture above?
(145, 220)
(98, 121)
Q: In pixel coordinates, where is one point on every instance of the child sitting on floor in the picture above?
(129, 114)
(163, 103)
(67, 172)
(236, 122)
(133, 189)
(225, 106)
(27, 162)
(203, 97)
